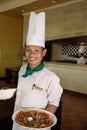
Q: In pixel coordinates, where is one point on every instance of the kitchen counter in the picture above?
(73, 76)
(67, 61)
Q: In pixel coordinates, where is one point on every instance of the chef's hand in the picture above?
(51, 108)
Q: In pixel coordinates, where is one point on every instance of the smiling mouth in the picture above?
(32, 59)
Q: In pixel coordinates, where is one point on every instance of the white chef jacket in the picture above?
(81, 60)
(37, 91)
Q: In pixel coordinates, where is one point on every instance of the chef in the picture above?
(81, 58)
(38, 87)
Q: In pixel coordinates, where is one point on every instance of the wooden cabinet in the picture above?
(11, 75)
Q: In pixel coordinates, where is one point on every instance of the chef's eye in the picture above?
(37, 50)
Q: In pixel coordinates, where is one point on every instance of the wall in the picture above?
(66, 21)
(63, 22)
(72, 77)
(10, 42)
(56, 52)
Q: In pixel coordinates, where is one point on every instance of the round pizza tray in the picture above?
(41, 110)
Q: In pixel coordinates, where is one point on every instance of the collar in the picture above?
(31, 71)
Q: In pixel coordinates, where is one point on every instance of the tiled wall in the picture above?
(66, 51)
(72, 49)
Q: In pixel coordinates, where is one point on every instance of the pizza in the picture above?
(34, 119)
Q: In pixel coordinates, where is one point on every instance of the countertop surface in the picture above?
(66, 65)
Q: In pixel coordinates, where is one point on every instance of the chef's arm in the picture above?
(51, 108)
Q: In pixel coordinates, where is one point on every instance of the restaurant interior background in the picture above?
(66, 26)
(65, 50)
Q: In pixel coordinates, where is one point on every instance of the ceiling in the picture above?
(19, 7)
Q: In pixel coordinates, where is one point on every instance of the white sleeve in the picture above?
(55, 91)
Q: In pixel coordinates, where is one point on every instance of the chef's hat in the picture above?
(81, 49)
(36, 29)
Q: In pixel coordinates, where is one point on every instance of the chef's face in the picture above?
(34, 55)
(80, 54)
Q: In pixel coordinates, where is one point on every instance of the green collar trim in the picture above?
(30, 72)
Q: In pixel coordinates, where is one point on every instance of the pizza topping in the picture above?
(29, 118)
(34, 119)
